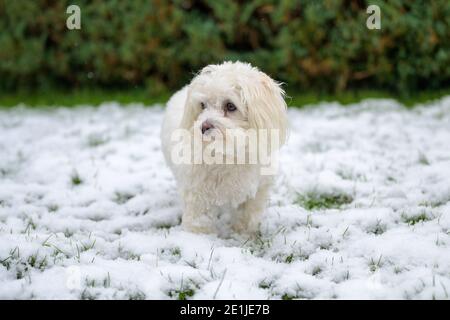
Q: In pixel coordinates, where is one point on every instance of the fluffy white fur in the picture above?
(218, 196)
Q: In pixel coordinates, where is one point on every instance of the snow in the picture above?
(89, 210)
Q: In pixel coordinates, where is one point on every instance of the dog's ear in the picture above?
(264, 98)
(191, 111)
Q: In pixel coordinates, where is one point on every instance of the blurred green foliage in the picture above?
(308, 44)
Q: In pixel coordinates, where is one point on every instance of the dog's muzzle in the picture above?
(206, 125)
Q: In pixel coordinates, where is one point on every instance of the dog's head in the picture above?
(234, 95)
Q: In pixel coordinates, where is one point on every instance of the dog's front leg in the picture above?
(195, 217)
(249, 213)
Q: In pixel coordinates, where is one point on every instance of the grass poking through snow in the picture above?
(316, 201)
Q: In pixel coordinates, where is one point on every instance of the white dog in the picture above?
(229, 97)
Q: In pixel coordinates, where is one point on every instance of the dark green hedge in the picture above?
(310, 45)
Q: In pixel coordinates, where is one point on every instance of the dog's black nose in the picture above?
(206, 125)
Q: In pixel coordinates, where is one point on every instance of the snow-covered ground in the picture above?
(361, 209)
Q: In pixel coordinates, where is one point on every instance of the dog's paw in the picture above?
(197, 228)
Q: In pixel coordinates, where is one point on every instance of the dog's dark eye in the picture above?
(230, 106)
(202, 104)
